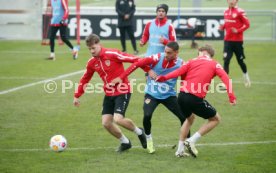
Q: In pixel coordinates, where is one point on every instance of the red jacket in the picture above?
(146, 34)
(109, 65)
(196, 76)
(235, 18)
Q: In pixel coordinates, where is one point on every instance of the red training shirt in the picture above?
(109, 65)
(196, 76)
(235, 18)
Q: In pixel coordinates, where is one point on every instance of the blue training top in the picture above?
(162, 90)
(58, 11)
(156, 32)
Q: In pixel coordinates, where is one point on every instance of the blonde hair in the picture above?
(92, 39)
(208, 48)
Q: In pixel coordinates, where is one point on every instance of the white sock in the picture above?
(52, 54)
(75, 48)
(246, 75)
(149, 137)
(137, 131)
(180, 146)
(194, 138)
(124, 139)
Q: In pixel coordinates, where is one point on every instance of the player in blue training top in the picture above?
(158, 32)
(155, 92)
(60, 13)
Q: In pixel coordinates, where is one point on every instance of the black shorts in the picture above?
(192, 104)
(116, 104)
(150, 104)
(235, 47)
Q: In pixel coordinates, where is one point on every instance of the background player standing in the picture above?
(235, 23)
(126, 10)
(158, 32)
(59, 20)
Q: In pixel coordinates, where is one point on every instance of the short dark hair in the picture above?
(173, 45)
(208, 48)
(164, 6)
(92, 39)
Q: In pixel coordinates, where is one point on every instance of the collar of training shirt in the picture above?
(161, 22)
(168, 64)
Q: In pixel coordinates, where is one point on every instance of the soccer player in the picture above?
(158, 32)
(108, 63)
(125, 10)
(60, 13)
(235, 23)
(196, 77)
(156, 92)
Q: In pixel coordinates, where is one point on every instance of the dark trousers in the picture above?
(235, 47)
(150, 104)
(62, 30)
(130, 32)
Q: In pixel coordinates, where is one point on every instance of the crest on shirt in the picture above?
(234, 15)
(107, 62)
(96, 66)
(147, 101)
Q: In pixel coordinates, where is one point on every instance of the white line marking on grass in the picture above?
(31, 52)
(40, 82)
(158, 146)
(21, 78)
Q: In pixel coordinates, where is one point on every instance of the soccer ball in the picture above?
(58, 143)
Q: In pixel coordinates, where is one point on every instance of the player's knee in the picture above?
(216, 118)
(191, 118)
(63, 37)
(106, 124)
(147, 117)
(118, 118)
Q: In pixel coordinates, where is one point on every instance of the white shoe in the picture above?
(75, 52)
(247, 82)
(191, 148)
(51, 57)
(183, 153)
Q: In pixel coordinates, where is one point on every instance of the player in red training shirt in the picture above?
(196, 76)
(108, 63)
(235, 23)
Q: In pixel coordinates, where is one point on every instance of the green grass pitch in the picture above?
(245, 139)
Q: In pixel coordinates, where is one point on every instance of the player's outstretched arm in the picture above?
(174, 74)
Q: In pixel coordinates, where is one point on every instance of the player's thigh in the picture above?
(121, 103)
(172, 104)
(184, 100)
(107, 120)
(150, 104)
(63, 30)
(204, 109)
(130, 31)
(108, 105)
(227, 50)
(239, 51)
(54, 31)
